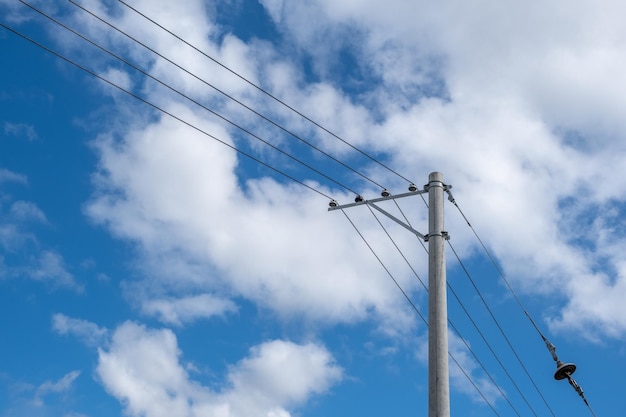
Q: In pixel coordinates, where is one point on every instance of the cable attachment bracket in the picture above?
(445, 235)
(447, 188)
(577, 388)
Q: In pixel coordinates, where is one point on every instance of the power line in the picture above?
(406, 296)
(474, 323)
(474, 384)
(449, 285)
(145, 73)
(500, 328)
(491, 349)
(318, 125)
(230, 97)
(456, 330)
(451, 288)
(502, 276)
(385, 268)
(160, 109)
(549, 345)
(567, 374)
(491, 258)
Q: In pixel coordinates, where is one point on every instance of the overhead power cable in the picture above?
(145, 73)
(506, 372)
(488, 253)
(230, 97)
(564, 371)
(477, 328)
(473, 383)
(456, 330)
(406, 296)
(449, 285)
(454, 293)
(451, 199)
(267, 93)
(160, 109)
(502, 332)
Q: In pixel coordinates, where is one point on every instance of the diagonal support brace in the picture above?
(395, 219)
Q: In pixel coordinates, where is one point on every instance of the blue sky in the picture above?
(147, 269)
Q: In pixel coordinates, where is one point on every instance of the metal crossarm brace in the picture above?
(395, 219)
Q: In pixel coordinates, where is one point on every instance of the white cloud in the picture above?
(117, 77)
(459, 379)
(9, 176)
(53, 397)
(14, 230)
(14, 11)
(88, 332)
(187, 223)
(177, 311)
(49, 266)
(305, 369)
(275, 9)
(55, 387)
(20, 129)
(142, 369)
(25, 256)
(24, 210)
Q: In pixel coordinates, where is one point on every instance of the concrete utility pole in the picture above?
(438, 375)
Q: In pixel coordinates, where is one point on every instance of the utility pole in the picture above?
(438, 375)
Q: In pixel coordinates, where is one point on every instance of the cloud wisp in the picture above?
(86, 331)
(55, 387)
(23, 253)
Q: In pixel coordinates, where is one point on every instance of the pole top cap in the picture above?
(435, 176)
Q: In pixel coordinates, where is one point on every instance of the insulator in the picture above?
(358, 199)
(564, 370)
(412, 187)
(385, 193)
(333, 203)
